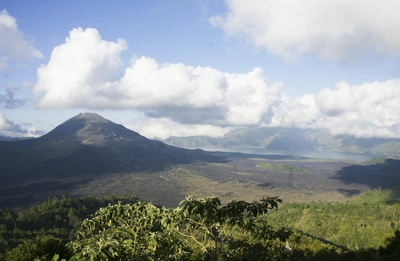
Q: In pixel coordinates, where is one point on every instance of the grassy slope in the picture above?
(363, 222)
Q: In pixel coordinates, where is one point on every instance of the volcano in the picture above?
(84, 147)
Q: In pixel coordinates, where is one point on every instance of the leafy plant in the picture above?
(197, 227)
(40, 248)
(138, 231)
(214, 227)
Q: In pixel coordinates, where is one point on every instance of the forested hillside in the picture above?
(52, 223)
(363, 223)
(365, 228)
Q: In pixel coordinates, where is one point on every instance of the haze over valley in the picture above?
(291, 140)
(219, 75)
(89, 155)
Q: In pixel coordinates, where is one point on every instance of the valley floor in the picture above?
(241, 177)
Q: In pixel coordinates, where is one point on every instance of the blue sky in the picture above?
(178, 68)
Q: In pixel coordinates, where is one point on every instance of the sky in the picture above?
(197, 67)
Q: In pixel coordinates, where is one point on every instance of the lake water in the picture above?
(309, 154)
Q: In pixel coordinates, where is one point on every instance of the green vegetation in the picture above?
(365, 228)
(54, 222)
(198, 229)
(376, 160)
(361, 226)
(281, 167)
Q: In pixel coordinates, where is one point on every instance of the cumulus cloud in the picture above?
(369, 109)
(163, 128)
(301, 112)
(330, 29)
(366, 110)
(176, 99)
(12, 42)
(81, 73)
(78, 69)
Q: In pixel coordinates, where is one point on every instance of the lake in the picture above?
(309, 154)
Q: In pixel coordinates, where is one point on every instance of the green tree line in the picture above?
(365, 228)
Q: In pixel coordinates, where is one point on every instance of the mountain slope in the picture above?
(82, 148)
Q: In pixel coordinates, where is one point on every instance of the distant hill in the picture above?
(82, 148)
(286, 139)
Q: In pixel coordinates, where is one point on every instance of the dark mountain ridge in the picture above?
(80, 149)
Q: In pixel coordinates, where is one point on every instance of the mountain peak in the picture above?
(90, 129)
(90, 117)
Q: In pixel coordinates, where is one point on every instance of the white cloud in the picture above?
(163, 128)
(178, 100)
(81, 74)
(338, 101)
(367, 110)
(12, 42)
(79, 69)
(300, 112)
(370, 109)
(329, 29)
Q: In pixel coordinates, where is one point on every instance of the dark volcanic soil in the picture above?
(238, 177)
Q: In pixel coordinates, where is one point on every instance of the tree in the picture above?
(136, 232)
(198, 227)
(44, 247)
(234, 227)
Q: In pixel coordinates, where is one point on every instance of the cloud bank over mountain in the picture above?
(87, 66)
(367, 110)
(87, 72)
